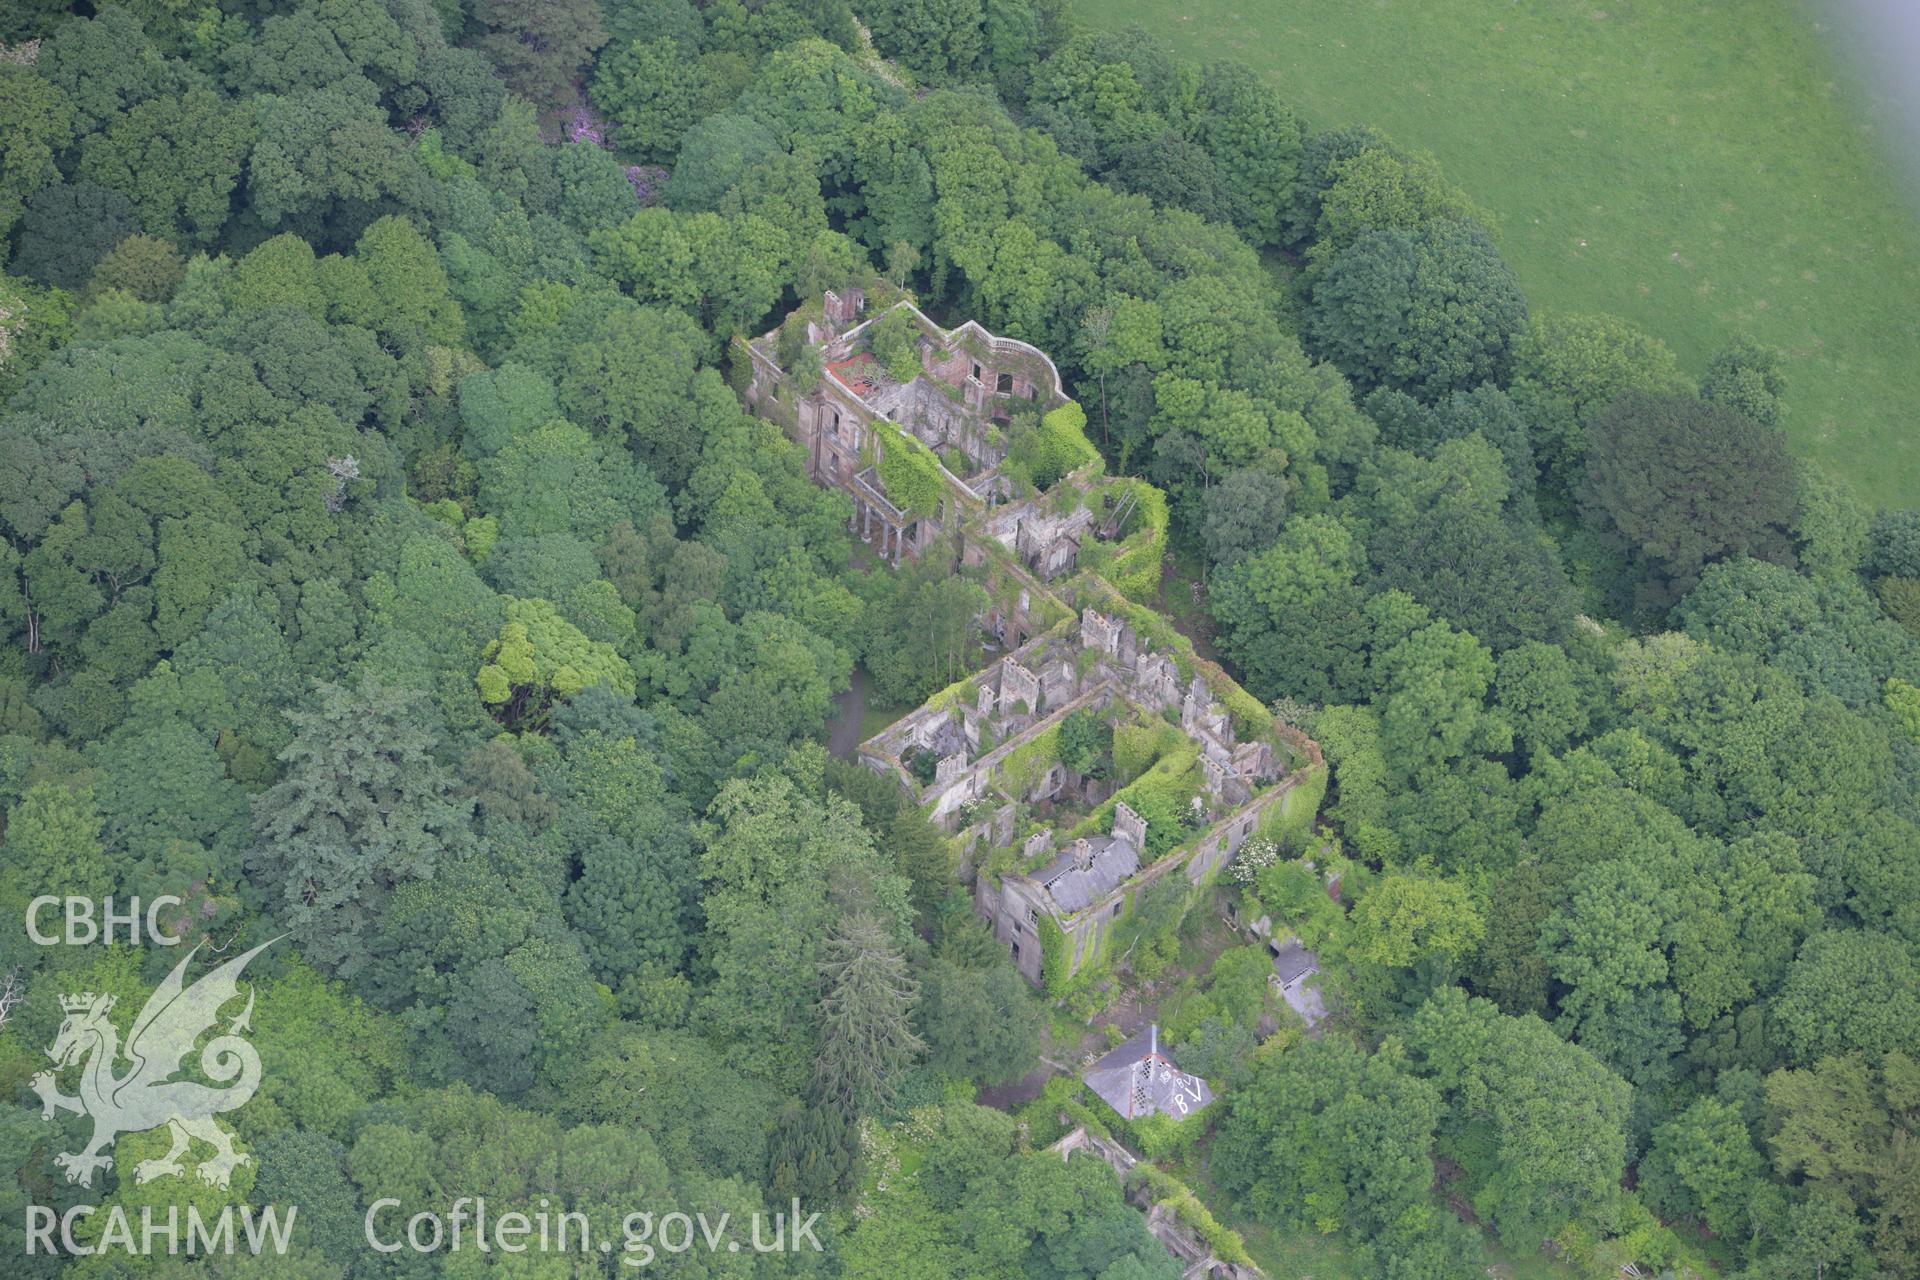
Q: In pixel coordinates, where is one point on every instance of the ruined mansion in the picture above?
(1060, 855)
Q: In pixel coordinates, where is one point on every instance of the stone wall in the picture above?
(1196, 1258)
(1012, 908)
(1124, 672)
(1006, 906)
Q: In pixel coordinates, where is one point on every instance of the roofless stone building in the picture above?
(911, 421)
(855, 413)
(1062, 856)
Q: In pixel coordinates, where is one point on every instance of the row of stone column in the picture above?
(892, 537)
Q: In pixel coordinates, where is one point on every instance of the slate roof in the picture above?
(1293, 962)
(1114, 860)
(1140, 1079)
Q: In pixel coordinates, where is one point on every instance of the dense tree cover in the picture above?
(388, 561)
(1428, 310)
(1676, 482)
(983, 1206)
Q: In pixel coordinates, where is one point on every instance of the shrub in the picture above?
(1086, 743)
(924, 766)
(1255, 856)
(1297, 894)
(895, 341)
(1055, 447)
(1061, 1096)
(1161, 795)
(1165, 829)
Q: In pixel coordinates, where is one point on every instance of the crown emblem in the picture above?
(146, 1096)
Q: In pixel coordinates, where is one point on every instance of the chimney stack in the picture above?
(1082, 855)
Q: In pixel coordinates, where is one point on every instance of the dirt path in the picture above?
(849, 714)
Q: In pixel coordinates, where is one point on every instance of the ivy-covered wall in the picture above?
(1055, 447)
(1165, 1189)
(1251, 718)
(909, 472)
(1056, 956)
(1288, 821)
(1135, 561)
(1023, 767)
(1137, 743)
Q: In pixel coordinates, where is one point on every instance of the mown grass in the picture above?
(874, 719)
(1700, 168)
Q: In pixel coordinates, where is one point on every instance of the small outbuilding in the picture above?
(1293, 964)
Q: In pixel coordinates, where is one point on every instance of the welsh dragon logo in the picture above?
(147, 1096)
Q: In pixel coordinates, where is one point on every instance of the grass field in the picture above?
(1699, 168)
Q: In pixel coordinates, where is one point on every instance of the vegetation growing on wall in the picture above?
(1137, 743)
(909, 471)
(1022, 768)
(1288, 820)
(1046, 451)
(1056, 955)
(1168, 1190)
(1137, 556)
(1161, 795)
(1249, 717)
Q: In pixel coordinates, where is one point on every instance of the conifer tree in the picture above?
(866, 1040)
